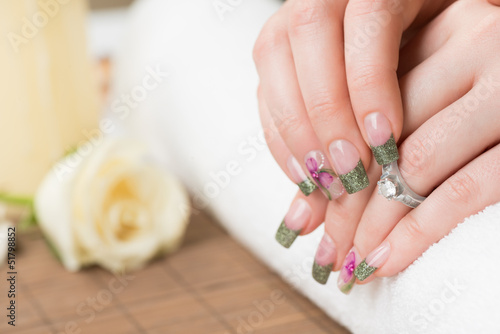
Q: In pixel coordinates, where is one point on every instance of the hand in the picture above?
(450, 81)
(326, 93)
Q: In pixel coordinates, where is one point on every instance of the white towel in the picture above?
(203, 117)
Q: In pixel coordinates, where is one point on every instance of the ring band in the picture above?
(393, 187)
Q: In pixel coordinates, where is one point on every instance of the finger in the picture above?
(495, 2)
(427, 42)
(306, 213)
(304, 216)
(467, 192)
(342, 217)
(443, 144)
(287, 162)
(423, 98)
(371, 70)
(435, 84)
(316, 36)
(281, 93)
(429, 156)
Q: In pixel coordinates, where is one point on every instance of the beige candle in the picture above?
(48, 93)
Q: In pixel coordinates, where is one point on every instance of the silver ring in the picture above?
(393, 187)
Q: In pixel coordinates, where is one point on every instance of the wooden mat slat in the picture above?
(212, 285)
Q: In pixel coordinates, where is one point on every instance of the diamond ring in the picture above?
(393, 187)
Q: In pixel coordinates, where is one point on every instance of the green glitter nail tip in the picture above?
(307, 187)
(363, 271)
(356, 179)
(387, 153)
(321, 273)
(286, 236)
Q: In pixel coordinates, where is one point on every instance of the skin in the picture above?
(438, 156)
(310, 99)
(326, 98)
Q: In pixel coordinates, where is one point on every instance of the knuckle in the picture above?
(365, 77)
(324, 108)
(416, 157)
(382, 12)
(268, 41)
(461, 187)
(288, 126)
(362, 8)
(306, 14)
(414, 229)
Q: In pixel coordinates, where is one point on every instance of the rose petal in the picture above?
(117, 208)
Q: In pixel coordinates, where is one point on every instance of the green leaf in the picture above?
(30, 220)
(16, 200)
(327, 170)
(326, 191)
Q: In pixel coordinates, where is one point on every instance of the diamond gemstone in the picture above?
(387, 188)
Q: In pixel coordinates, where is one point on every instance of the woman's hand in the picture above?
(329, 87)
(450, 81)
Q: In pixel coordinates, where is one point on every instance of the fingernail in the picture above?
(346, 278)
(381, 139)
(295, 220)
(306, 185)
(323, 175)
(347, 163)
(373, 261)
(324, 259)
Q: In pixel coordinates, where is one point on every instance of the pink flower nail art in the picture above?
(323, 175)
(346, 277)
(347, 271)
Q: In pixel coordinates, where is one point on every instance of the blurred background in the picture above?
(55, 85)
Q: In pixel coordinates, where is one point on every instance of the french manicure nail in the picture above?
(323, 175)
(382, 143)
(347, 163)
(324, 259)
(305, 184)
(295, 220)
(373, 261)
(346, 277)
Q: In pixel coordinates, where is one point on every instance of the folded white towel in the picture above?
(204, 116)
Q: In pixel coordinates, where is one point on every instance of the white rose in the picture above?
(115, 208)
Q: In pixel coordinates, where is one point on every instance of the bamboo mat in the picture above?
(211, 285)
